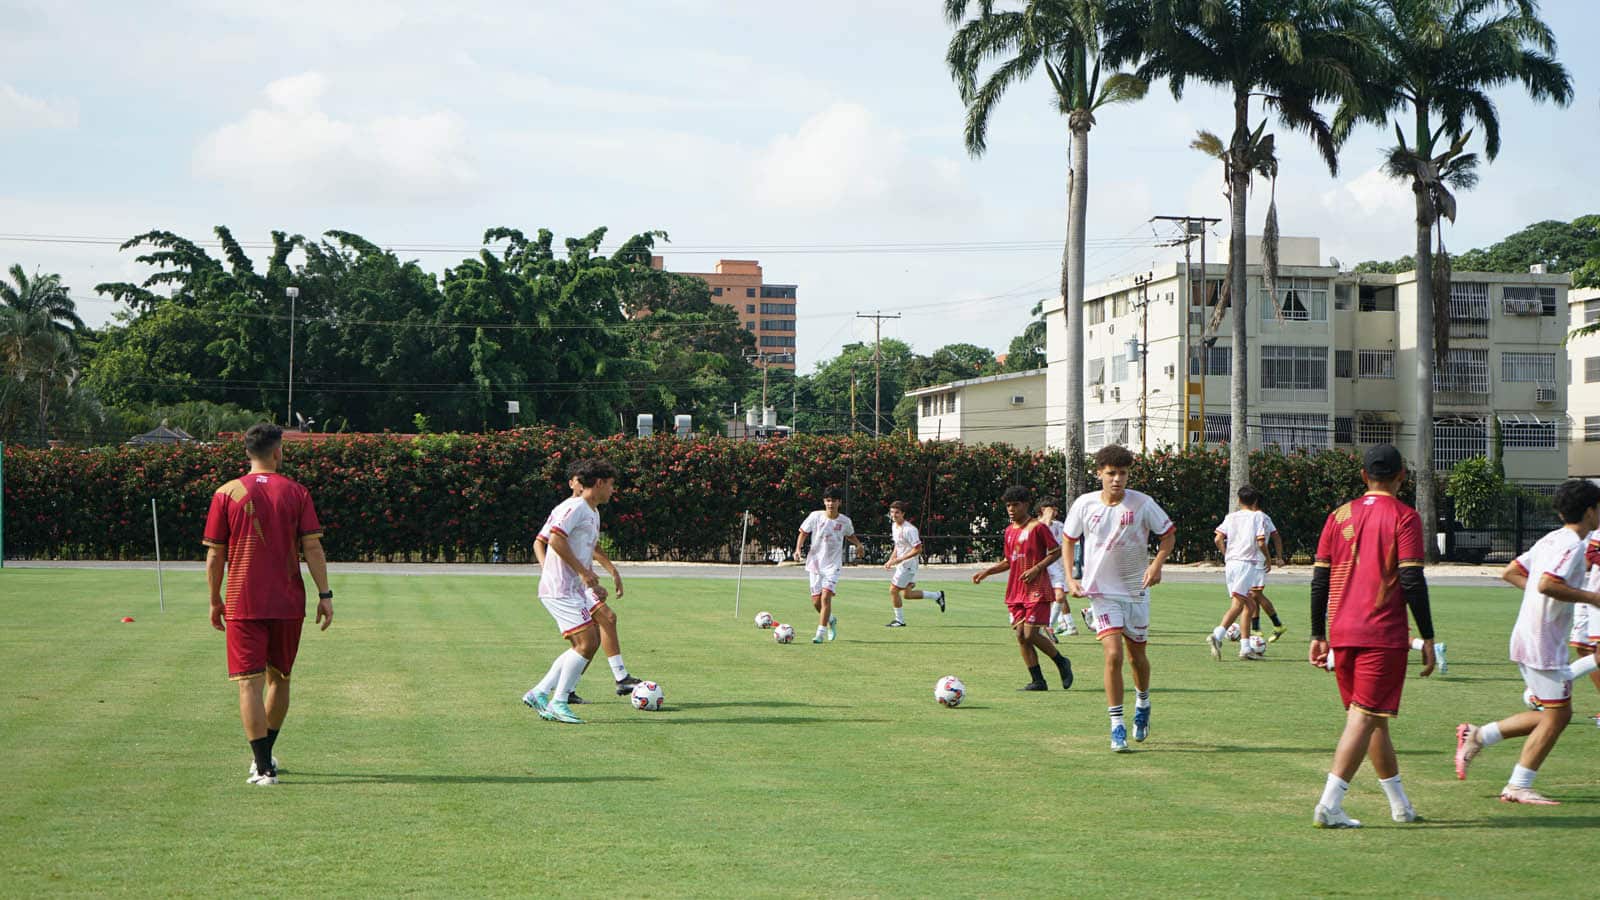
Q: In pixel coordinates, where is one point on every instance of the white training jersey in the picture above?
(1592, 581)
(1539, 640)
(906, 539)
(827, 540)
(1057, 570)
(580, 524)
(1241, 528)
(1116, 540)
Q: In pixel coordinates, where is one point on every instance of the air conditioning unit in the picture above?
(1018, 400)
(1116, 394)
(1536, 269)
(1099, 391)
(1171, 371)
(1522, 307)
(1544, 393)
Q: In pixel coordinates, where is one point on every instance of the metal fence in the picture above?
(1526, 517)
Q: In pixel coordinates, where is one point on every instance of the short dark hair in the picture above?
(902, 506)
(1114, 455)
(572, 468)
(1574, 498)
(1017, 494)
(1249, 496)
(833, 492)
(260, 438)
(1049, 501)
(590, 471)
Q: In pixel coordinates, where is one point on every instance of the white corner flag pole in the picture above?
(744, 529)
(155, 523)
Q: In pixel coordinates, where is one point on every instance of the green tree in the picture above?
(41, 369)
(1027, 350)
(1439, 60)
(1291, 53)
(1558, 246)
(44, 295)
(1073, 41)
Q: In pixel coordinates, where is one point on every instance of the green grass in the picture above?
(412, 767)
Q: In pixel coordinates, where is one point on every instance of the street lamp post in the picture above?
(294, 294)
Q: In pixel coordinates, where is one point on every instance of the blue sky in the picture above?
(736, 128)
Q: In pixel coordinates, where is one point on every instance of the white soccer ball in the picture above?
(1530, 701)
(949, 691)
(1233, 632)
(647, 696)
(763, 619)
(783, 634)
(1258, 645)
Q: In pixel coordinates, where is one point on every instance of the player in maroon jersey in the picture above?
(258, 528)
(1030, 549)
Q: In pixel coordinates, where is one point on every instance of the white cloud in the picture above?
(19, 112)
(293, 147)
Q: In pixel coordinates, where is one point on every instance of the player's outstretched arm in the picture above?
(610, 567)
(317, 562)
(1001, 566)
(216, 564)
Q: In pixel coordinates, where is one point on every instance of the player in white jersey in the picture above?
(570, 590)
(902, 564)
(1585, 636)
(1550, 576)
(1242, 539)
(829, 529)
(1116, 525)
(1049, 512)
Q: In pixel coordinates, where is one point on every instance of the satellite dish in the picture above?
(1334, 261)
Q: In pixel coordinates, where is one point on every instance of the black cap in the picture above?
(1382, 462)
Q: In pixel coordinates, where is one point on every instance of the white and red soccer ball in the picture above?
(783, 634)
(1258, 645)
(763, 619)
(647, 695)
(949, 691)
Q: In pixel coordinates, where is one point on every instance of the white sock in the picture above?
(1583, 667)
(1416, 644)
(1333, 792)
(1219, 633)
(618, 670)
(1141, 699)
(1116, 715)
(1055, 611)
(1489, 735)
(899, 614)
(1396, 794)
(935, 595)
(822, 631)
(572, 667)
(548, 682)
(1522, 777)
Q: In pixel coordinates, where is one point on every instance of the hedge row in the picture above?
(455, 497)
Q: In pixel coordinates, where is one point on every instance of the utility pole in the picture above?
(294, 293)
(877, 358)
(1143, 284)
(1194, 386)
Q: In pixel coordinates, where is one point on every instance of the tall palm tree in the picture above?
(42, 294)
(39, 363)
(1074, 41)
(1439, 59)
(1292, 54)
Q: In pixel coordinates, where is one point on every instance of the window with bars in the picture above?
(1292, 431)
(1375, 431)
(1519, 300)
(1375, 364)
(1547, 301)
(1528, 435)
(1591, 429)
(1117, 432)
(1097, 371)
(1342, 364)
(1218, 360)
(1119, 369)
(1344, 430)
(777, 324)
(1298, 300)
(1469, 309)
(1219, 428)
(1457, 439)
(777, 309)
(1094, 436)
(1294, 373)
(1463, 372)
(1591, 311)
(1536, 367)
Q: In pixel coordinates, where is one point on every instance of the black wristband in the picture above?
(325, 595)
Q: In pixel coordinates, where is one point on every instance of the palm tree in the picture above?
(1439, 58)
(1073, 41)
(1290, 53)
(39, 362)
(42, 294)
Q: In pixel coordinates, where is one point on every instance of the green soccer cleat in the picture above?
(833, 627)
(559, 711)
(536, 701)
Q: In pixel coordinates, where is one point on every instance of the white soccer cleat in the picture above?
(1246, 654)
(1526, 795)
(1216, 647)
(254, 773)
(1468, 743)
(1407, 813)
(1333, 818)
(262, 779)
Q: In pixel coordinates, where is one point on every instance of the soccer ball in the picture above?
(647, 696)
(1530, 701)
(763, 619)
(1233, 632)
(783, 634)
(949, 691)
(1258, 645)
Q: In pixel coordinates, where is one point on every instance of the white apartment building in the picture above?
(1006, 409)
(1333, 362)
(1583, 380)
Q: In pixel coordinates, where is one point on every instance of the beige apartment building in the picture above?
(765, 310)
(1332, 359)
(994, 409)
(1583, 385)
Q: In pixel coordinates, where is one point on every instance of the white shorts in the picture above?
(1585, 625)
(1130, 615)
(1244, 577)
(1058, 577)
(824, 580)
(904, 574)
(572, 613)
(1551, 687)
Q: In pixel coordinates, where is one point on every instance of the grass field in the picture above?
(411, 767)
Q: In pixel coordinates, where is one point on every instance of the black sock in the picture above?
(272, 739)
(1255, 623)
(1038, 676)
(1275, 620)
(262, 748)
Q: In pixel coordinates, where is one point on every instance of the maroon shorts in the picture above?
(1033, 613)
(254, 645)
(1370, 678)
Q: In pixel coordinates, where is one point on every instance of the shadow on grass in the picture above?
(1235, 748)
(1532, 821)
(658, 719)
(404, 778)
(764, 704)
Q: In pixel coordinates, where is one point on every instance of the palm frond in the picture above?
(1210, 145)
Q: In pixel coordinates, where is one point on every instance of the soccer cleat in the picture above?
(1119, 739)
(254, 773)
(1216, 647)
(833, 627)
(1066, 627)
(817, 640)
(1065, 668)
(536, 701)
(1468, 743)
(558, 711)
(1438, 656)
(1249, 655)
(1526, 795)
(1141, 723)
(1278, 631)
(625, 685)
(1404, 814)
(938, 597)
(269, 778)
(1034, 686)
(1088, 619)
(574, 700)
(895, 624)
(1333, 818)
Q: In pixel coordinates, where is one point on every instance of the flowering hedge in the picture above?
(455, 497)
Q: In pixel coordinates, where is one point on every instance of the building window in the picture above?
(1117, 432)
(1119, 369)
(750, 292)
(927, 407)
(750, 308)
(1591, 311)
(1299, 300)
(1591, 428)
(777, 340)
(1094, 436)
(1456, 438)
(1219, 360)
(1094, 312)
(777, 309)
(778, 291)
(1547, 302)
(1591, 369)
(1344, 430)
(1301, 370)
(1375, 364)
(1375, 299)
(1211, 295)
(1521, 434)
(1469, 309)
(1341, 295)
(716, 292)
(1294, 431)
(1463, 372)
(777, 324)
(1539, 368)
(1342, 364)
(1219, 428)
(1097, 371)
(749, 326)
(1119, 307)
(1375, 431)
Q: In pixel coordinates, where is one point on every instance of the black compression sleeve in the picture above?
(1319, 603)
(1414, 588)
